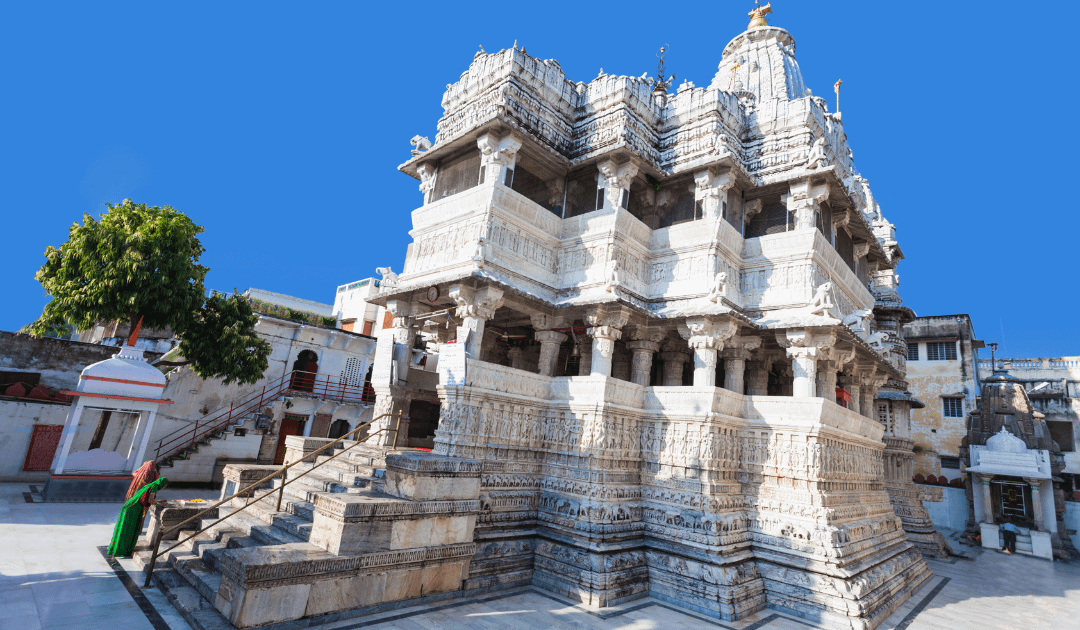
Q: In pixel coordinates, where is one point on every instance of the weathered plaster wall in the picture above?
(934, 434)
(59, 361)
(951, 512)
(1072, 521)
(17, 420)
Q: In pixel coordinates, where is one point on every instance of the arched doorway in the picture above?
(338, 429)
(305, 368)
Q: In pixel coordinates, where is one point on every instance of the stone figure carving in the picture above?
(822, 303)
(817, 154)
(859, 321)
(389, 278)
(480, 254)
(877, 340)
(719, 286)
(611, 276)
(420, 144)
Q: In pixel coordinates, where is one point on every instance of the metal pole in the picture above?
(153, 559)
(281, 489)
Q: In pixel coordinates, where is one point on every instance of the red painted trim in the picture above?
(52, 476)
(153, 400)
(120, 380)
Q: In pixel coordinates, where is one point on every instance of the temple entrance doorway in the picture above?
(1012, 499)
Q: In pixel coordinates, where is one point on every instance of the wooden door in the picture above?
(290, 425)
(43, 443)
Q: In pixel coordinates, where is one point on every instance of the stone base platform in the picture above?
(85, 488)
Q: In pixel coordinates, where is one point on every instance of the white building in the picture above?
(354, 311)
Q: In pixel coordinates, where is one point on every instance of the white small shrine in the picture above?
(1006, 455)
(107, 430)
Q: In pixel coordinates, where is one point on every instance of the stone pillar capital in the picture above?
(543, 321)
(804, 200)
(549, 336)
(801, 343)
(481, 303)
(643, 345)
(604, 332)
(615, 317)
(615, 181)
(707, 332)
(711, 188)
(496, 150)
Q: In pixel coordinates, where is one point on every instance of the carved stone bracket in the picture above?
(711, 189)
(804, 199)
(614, 180)
(475, 306)
(706, 335)
(497, 155)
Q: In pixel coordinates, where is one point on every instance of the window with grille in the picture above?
(458, 175)
(913, 351)
(1062, 433)
(353, 374)
(949, 462)
(773, 219)
(941, 351)
(953, 407)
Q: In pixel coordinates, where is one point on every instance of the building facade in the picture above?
(354, 311)
(643, 304)
(943, 373)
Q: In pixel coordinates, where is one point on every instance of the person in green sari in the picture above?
(144, 486)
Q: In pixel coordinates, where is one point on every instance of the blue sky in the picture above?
(279, 128)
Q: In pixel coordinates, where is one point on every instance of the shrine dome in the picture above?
(125, 374)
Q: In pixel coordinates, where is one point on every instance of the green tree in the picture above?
(141, 262)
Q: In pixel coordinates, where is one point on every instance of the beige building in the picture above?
(943, 373)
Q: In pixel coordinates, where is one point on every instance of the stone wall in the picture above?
(604, 491)
(17, 421)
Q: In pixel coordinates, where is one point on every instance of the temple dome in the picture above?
(765, 65)
(124, 374)
(1005, 442)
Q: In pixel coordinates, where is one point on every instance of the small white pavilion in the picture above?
(107, 430)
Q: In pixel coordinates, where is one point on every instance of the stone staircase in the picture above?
(197, 462)
(342, 529)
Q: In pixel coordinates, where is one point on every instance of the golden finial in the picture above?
(836, 88)
(757, 16)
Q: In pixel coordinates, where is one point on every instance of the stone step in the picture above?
(296, 522)
(198, 611)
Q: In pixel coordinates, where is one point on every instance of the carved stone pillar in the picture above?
(851, 384)
(1036, 503)
(803, 348)
(706, 336)
(605, 329)
(757, 378)
(614, 181)
(641, 364)
(475, 307)
(620, 364)
(517, 358)
(826, 379)
(711, 190)
(550, 342)
(405, 328)
(988, 503)
(736, 354)
(497, 156)
(805, 200)
(674, 357)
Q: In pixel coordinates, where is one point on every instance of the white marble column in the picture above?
(497, 156)
(735, 356)
(704, 361)
(641, 363)
(605, 328)
(475, 307)
(674, 360)
(826, 379)
(615, 181)
(803, 348)
(706, 336)
(710, 188)
(988, 502)
(804, 200)
(851, 384)
(1036, 503)
(550, 343)
(757, 378)
(517, 358)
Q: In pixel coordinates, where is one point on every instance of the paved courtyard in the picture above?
(53, 574)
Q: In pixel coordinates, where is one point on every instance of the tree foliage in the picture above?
(142, 262)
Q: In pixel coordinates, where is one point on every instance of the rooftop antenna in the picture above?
(662, 84)
(993, 361)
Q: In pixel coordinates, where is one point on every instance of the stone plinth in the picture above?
(352, 524)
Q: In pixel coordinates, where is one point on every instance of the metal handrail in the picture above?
(280, 490)
(311, 383)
